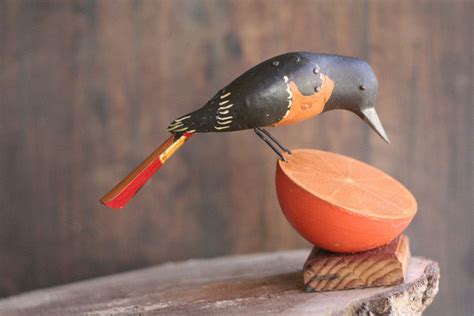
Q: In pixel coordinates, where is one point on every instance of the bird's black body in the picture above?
(262, 96)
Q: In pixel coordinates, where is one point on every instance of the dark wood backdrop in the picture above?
(87, 89)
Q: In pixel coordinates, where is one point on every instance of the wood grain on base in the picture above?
(327, 271)
(265, 283)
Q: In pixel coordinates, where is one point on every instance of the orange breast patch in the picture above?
(305, 107)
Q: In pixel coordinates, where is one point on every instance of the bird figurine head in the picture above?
(355, 90)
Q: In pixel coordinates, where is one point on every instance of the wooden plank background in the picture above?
(87, 89)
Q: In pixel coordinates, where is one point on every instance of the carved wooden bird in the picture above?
(283, 90)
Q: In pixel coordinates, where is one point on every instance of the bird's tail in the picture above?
(124, 191)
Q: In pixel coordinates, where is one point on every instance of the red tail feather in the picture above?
(123, 192)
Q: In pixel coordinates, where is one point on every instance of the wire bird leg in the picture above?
(267, 138)
(284, 148)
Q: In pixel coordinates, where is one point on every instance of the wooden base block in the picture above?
(384, 266)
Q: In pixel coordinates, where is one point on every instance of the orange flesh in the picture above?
(349, 184)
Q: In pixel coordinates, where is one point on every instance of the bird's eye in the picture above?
(362, 87)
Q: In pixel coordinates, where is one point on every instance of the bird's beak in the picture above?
(370, 117)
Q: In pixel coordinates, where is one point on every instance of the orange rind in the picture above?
(341, 204)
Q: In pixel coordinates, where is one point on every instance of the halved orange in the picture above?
(342, 204)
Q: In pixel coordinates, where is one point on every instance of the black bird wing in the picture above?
(258, 98)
